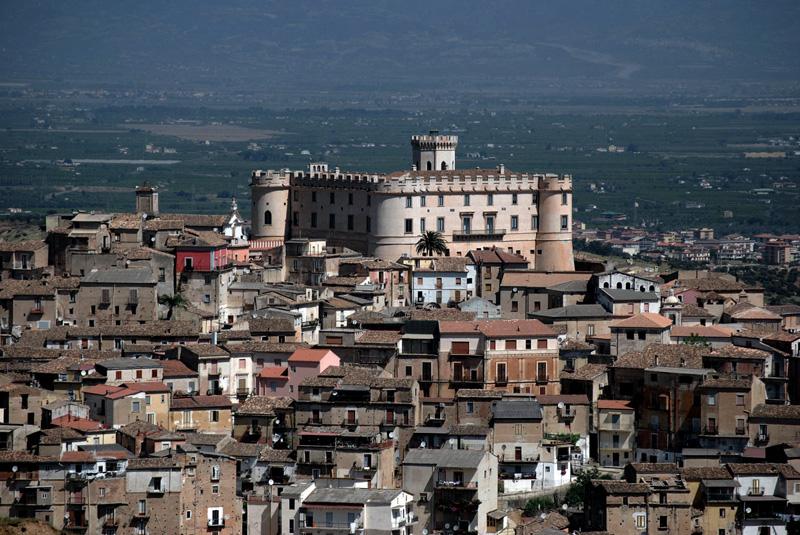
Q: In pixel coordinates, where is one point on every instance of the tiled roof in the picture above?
(270, 455)
(496, 256)
(534, 279)
(200, 402)
(645, 320)
(15, 246)
(673, 355)
(139, 427)
(498, 328)
(788, 309)
(478, 393)
(275, 372)
(175, 368)
(727, 383)
(10, 288)
(14, 456)
(614, 404)
(655, 468)
(571, 399)
(744, 469)
(151, 463)
(587, 372)
(310, 355)
(704, 331)
(621, 487)
(58, 435)
(732, 351)
(206, 350)
(788, 471)
(693, 311)
(447, 264)
(440, 314)
(263, 405)
(270, 325)
(705, 472)
(242, 449)
(78, 424)
(257, 346)
(379, 337)
(778, 412)
(712, 284)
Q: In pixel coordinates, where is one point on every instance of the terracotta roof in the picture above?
(655, 468)
(440, 314)
(621, 487)
(614, 404)
(705, 472)
(242, 449)
(269, 455)
(744, 469)
(727, 383)
(200, 402)
(270, 325)
(379, 337)
(309, 355)
(705, 331)
(206, 350)
(449, 264)
(673, 355)
(778, 412)
(275, 372)
(78, 424)
(175, 368)
(496, 256)
(587, 372)
(788, 471)
(10, 288)
(571, 399)
(732, 351)
(58, 435)
(139, 427)
(498, 328)
(536, 279)
(13, 456)
(14, 246)
(257, 346)
(150, 463)
(646, 320)
(693, 311)
(263, 405)
(784, 310)
(478, 393)
(711, 284)
(198, 238)
(748, 311)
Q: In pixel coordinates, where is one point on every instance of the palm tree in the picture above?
(431, 242)
(172, 301)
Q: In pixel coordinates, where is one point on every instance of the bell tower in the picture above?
(434, 152)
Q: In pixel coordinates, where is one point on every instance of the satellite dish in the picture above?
(270, 482)
(452, 441)
(83, 373)
(542, 516)
(748, 510)
(581, 442)
(561, 405)
(423, 444)
(447, 526)
(455, 527)
(564, 507)
(392, 435)
(276, 438)
(15, 468)
(425, 531)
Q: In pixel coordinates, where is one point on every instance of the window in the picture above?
(541, 343)
(313, 196)
(534, 222)
(629, 335)
(590, 329)
(662, 522)
(490, 199)
(564, 198)
(267, 217)
(470, 407)
(466, 199)
(350, 199)
(642, 335)
(423, 201)
(641, 521)
(740, 400)
(162, 276)
(712, 399)
(214, 416)
(136, 406)
(215, 473)
(422, 225)
(439, 224)
(409, 371)
(721, 512)
(350, 222)
(501, 376)
(369, 224)
(188, 515)
(142, 507)
(564, 222)
(332, 197)
(514, 222)
(214, 489)
(118, 375)
(409, 226)
(513, 198)
(313, 220)
(409, 202)
(332, 221)
(440, 200)
(514, 306)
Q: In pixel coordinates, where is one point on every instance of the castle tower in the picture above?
(269, 191)
(554, 238)
(434, 152)
(146, 200)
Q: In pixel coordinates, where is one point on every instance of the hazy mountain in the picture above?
(385, 44)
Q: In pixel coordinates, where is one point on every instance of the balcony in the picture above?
(214, 391)
(309, 325)
(511, 459)
(313, 526)
(110, 522)
(29, 501)
(741, 431)
(77, 477)
(762, 438)
(501, 380)
(755, 491)
(435, 419)
(711, 430)
(457, 485)
(218, 523)
(242, 392)
(155, 490)
(541, 379)
(479, 234)
(133, 300)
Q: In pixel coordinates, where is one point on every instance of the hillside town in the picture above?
(412, 353)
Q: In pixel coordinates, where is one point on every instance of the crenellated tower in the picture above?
(554, 238)
(434, 152)
(270, 196)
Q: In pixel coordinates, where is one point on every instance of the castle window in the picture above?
(350, 223)
(441, 200)
(439, 224)
(333, 197)
(313, 196)
(369, 224)
(409, 202)
(534, 222)
(490, 199)
(564, 198)
(332, 221)
(296, 218)
(514, 198)
(514, 222)
(444, 166)
(564, 222)
(369, 200)
(350, 198)
(430, 166)
(422, 201)
(267, 217)
(466, 199)
(313, 220)
(409, 226)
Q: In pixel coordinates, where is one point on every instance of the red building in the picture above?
(201, 251)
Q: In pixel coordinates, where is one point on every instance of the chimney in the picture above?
(214, 338)
(501, 169)
(657, 359)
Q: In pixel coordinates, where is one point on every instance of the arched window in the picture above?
(627, 285)
(430, 166)
(444, 166)
(641, 288)
(619, 286)
(605, 285)
(267, 217)
(652, 288)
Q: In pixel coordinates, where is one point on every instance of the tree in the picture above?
(696, 340)
(576, 493)
(431, 242)
(172, 301)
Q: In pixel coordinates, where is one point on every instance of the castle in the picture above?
(385, 214)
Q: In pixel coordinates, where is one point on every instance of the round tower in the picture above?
(434, 152)
(269, 191)
(554, 238)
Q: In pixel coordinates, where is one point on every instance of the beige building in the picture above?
(116, 296)
(616, 432)
(384, 215)
(203, 414)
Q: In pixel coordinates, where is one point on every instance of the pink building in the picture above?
(306, 362)
(273, 381)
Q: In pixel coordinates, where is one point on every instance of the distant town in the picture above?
(429, 351)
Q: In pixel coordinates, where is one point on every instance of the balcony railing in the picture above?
(762, 438)
(469, 485)
(741, 431)
(711, 430)
(478, 234)
(155, 490)
(501, 380)
(309, 325)
(755, 491)
(218, 523)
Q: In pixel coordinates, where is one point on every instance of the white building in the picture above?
(441, 280)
